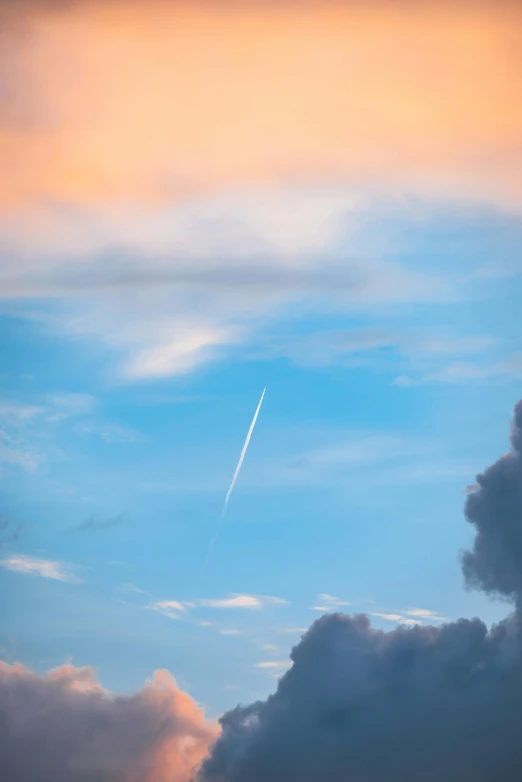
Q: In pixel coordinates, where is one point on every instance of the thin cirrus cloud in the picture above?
(45, 568)
(245, 601)
(458, 373)
(329, 603)
(412, 616)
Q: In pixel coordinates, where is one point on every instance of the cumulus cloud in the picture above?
(419, 702)
(494, 508)
(64, 726)
(361, 704)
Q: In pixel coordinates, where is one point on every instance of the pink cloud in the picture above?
(66, 725)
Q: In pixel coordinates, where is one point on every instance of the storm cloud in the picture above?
(430, 704)
(494, 507)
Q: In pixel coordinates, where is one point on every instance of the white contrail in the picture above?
(234, 479)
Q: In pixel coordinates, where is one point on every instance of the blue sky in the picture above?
(386, 331)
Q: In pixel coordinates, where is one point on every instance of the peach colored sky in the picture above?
(146, 101)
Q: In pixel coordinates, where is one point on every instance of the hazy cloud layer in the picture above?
(188, 169)
(64, 727)
(414, 107)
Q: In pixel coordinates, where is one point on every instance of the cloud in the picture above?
(171, 608)
(18, 411)
(13, 454)
(270, 648)
(94, 524)
(324, 348)
(244, 601)
(69, 405)
(329, 603)
(352, 689)
(110, 433)
(408, 116)
(411, 616)
(46, 568)
(10, 531)
(457, 373)
(354, 693)
(424, 613)
(494, 508)
(273, 664)
(64, 726)
(165, 310)
(177, 609)
(174, 236)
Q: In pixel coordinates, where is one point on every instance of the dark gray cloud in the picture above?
(494, 507)
(63, 727)
(361, 705)
(10, 531)
(425, 704)
(95, 524)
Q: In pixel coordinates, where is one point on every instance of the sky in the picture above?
(198, 201)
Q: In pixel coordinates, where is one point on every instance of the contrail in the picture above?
(234, 479)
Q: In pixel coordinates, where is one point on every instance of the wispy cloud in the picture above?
(10, 531)
(274, 668)
(173, 609)
(425, 614)
(270, 648)
(244, 601)
(12, 410)
(329, 603)
(333, 346)
(46, 568)
(273, 664)
(95, 524)
(411, 616)
(69, 405)
(178, 609)
(13, 453)
(458, 373)
(109, 432)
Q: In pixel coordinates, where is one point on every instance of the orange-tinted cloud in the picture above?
(146, 100)
(65, 726)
